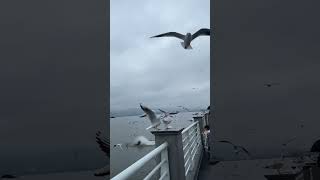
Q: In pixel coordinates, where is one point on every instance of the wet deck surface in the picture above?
(250, 169)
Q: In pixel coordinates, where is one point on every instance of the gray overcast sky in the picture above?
(158, 72)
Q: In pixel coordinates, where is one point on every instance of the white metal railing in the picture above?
(191, 140)
(163, 166)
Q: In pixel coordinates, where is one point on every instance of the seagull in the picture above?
(155, 121)
(104, 145)
(276, 166)
(166, 114)
(141, 141)
(237, 148)
(186, 38)
(184, 108)
(8, 176)
(271, 84)
(118, 145)
(165, 119)
(284, 145)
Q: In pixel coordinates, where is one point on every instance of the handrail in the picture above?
(128, 172)
(186, 129)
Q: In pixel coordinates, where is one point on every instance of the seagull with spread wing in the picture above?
(236, 147)
(186, 38)
(104, 145)
(140, 141)
(166, 118)
(155, 121)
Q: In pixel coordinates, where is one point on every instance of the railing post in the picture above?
(175, 151)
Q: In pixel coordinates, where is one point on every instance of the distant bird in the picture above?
(186, 38)
(184, 108)
(166, 114)
(118, 145)
(112, 117)
(276, 166)
(155, 121)
(289, 141)
(8, 176)
(284, 145)
(236, 147)
(140, 141)
(271, 84)
(104, 145)
(143, 115)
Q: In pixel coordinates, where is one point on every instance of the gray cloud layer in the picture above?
(159, 71)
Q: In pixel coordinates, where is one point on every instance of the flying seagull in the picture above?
(284, 145)
(186, 38)
(104, 145)
(166, 114)
(185, 108)
(140, 141)
(8, 176)
(276, 166)
(155, 121)
(271, 84)
(236, 147)
(165, 119)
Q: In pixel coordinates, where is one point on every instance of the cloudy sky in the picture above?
(158, 72)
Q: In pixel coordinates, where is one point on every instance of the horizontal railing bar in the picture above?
(163, 175)
(185, 154)
(195, 152)
(189, 141)
(155, 169)
(183, 140)
(187, 169)
(128, 172)
(186, 163)
(186, 129)
(194, 147)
